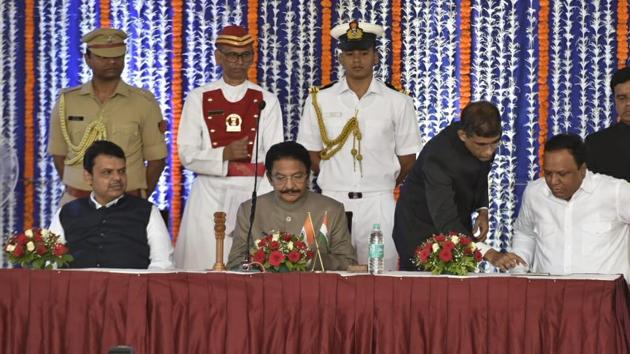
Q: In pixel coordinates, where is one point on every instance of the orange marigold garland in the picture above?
(543, 72)
(622, 33)
(396, 42)
(326, 41)
(104, 6)
(176, 173)
(252, 27)
(464, 54)
(29, 111)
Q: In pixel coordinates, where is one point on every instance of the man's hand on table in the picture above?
(504, 261)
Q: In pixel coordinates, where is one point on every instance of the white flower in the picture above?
(473, 246)
(275, 236)
(30, 246)
(45, 234)
(28, 233)
(258, 243)
(455, 239)
(290, 245)
(436, 247)
(10, 248)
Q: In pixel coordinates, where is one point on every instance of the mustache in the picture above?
(293, 190)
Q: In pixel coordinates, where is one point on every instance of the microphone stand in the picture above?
(246, 265)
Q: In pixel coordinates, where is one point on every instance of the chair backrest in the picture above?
(349, 218)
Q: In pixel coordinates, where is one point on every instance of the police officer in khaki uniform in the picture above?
(106, 108)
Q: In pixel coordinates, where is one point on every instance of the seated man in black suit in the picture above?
(111, 229)
(448, 182)
(608, 151)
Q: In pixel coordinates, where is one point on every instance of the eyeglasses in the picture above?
(233, 57)
(296, 178)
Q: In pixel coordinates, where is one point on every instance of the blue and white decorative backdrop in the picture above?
(546, 64)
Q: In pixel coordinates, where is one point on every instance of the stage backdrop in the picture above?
(546, 64)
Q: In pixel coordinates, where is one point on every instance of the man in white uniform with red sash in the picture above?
(217, 139)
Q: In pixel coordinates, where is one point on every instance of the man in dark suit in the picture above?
(608, 151)
(448, 182)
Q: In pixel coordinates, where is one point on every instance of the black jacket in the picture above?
(446, 185)
(608, 151)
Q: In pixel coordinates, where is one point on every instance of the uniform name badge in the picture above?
(233, 123)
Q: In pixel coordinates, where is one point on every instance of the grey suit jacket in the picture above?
(273, 214)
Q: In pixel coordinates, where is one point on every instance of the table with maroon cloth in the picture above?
(69, 312)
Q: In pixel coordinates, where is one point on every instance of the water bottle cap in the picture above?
(376, 226)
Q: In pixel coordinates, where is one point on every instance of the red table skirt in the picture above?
(69, 312)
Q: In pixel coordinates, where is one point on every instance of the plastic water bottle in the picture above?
(376, 254)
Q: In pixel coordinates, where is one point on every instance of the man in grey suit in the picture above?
(287, 209)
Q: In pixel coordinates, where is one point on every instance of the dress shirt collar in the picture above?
(121, 89)
(374, 87)
(233, 93)
(587, 186)
(97, 205)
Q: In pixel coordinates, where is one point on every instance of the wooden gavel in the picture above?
(219, 235)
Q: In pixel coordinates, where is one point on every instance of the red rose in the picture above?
(262, 243)
(259, 256)
(18, 251)
(309, 254)
(300, 245)
(440, 238)
(424, 255)
(38, 237)
(464, 240)
(467, 251)
(428, 246)
(22, 239)
(276, 258)
(60, 250)
(446, 255)
(478, 256)
(294, 256)
(40, 248)
(274, 245)
(286, 237)
(448, 245)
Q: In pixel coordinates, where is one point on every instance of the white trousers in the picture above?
(196, 245)
(372, 208)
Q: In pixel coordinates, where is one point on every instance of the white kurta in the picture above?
(590, 233)
(212, 190)
(389, 126)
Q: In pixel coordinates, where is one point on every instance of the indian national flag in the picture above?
(308, 231)
(322, 235)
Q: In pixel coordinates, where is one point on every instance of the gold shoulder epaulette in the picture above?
(316, 89)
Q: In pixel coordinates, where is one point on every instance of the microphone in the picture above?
(246, 266)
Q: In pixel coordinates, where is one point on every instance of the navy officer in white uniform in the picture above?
(363, 137)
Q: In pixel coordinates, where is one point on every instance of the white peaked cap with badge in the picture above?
(355, 35)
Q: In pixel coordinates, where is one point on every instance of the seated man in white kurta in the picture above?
(572, 220)
(287, 209)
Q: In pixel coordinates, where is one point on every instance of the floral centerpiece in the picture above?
(37, 248)
(282, 252)
(454, 254)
